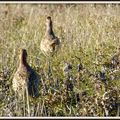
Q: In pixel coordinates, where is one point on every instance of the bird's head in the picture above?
(48, 21)
(23, 55)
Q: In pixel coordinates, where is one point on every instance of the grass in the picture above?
(88, 31)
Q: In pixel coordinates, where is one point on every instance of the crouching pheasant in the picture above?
(25, 78)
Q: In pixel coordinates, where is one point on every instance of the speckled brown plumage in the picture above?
(25, 77)
(50, 43)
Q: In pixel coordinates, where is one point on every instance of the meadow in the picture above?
(90, 37)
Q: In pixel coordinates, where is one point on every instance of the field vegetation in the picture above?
(90, 37)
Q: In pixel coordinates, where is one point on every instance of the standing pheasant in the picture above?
(50, 42)
(25, 77)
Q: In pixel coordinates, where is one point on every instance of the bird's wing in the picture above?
(19, 80)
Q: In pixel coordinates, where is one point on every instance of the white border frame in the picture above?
(58, 2)
(60, 117)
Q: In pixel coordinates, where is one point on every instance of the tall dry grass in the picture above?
(88, 31)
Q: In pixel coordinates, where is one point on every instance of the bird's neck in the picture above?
(49, 29)
(23, 62)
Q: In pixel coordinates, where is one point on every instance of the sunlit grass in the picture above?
(88, 31)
